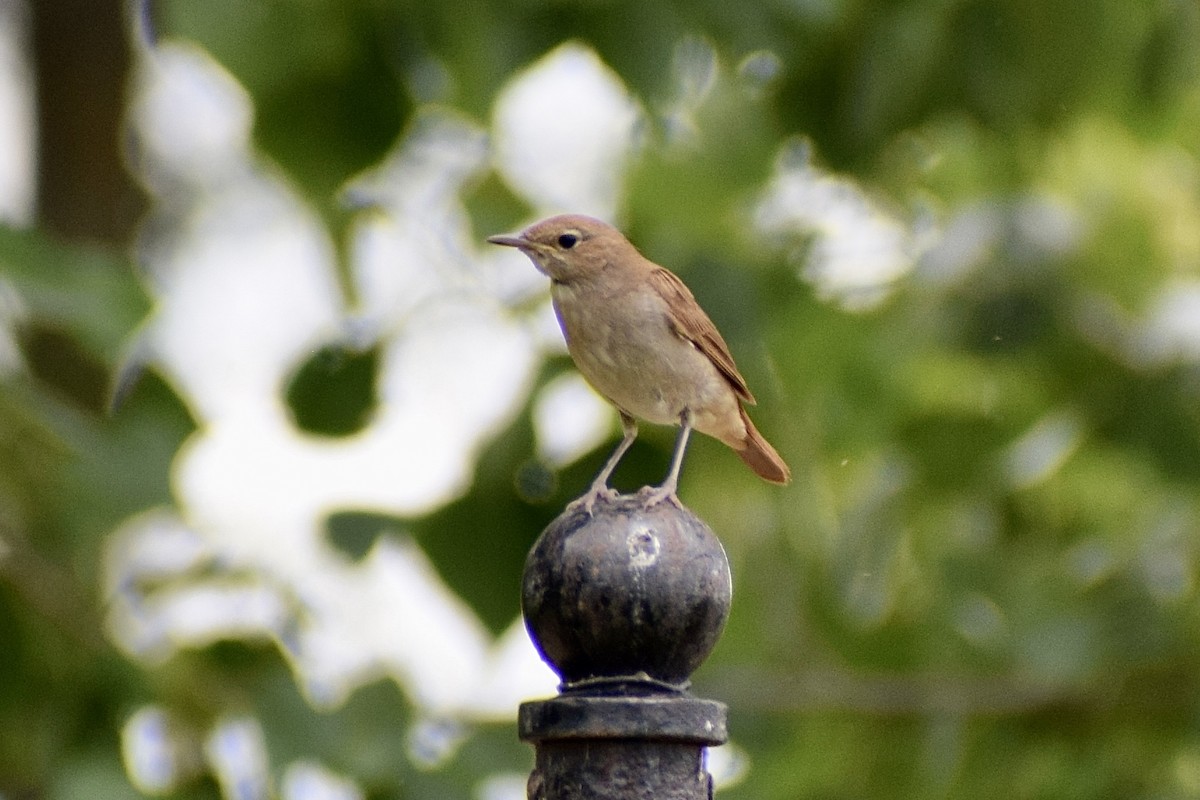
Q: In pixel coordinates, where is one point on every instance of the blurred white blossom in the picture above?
(570, 419)
(308, 780)
(237, 753)
(158, 756)
(851, 250)
(18, 112)
(245, 288)
(1044, 448)
(1171, 331)
(564, 132)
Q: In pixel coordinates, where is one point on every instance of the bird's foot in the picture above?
(588, 501)
(653, 495)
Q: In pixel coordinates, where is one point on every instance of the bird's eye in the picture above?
(567, 241)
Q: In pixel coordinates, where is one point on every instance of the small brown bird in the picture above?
(642, 341)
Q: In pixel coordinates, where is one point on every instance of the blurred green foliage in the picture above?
(910, 619)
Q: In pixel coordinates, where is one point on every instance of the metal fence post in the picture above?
(624, 604)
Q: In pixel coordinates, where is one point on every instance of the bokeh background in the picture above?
(277, 428)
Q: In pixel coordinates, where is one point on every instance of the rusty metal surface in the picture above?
(619, 770)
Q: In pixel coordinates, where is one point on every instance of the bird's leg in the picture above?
(599, 488)
(666, 490)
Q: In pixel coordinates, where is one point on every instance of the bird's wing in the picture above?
(689, 321)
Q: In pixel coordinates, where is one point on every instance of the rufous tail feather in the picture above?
(760, 456)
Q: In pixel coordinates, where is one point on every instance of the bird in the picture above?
(638, 336)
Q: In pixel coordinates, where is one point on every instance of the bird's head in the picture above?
(570, 246)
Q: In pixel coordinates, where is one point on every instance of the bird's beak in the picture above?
(509, 241)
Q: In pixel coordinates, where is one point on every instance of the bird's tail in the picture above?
(760, 456)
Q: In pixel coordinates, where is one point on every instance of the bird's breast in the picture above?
(624, 345)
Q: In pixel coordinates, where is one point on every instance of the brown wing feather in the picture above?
(690, 322)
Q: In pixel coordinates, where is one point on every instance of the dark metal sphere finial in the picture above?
(627, 593)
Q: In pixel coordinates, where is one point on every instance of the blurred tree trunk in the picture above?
(81, 62)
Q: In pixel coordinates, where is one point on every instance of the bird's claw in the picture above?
(588, 500)
(648, 496)
(653, 495)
